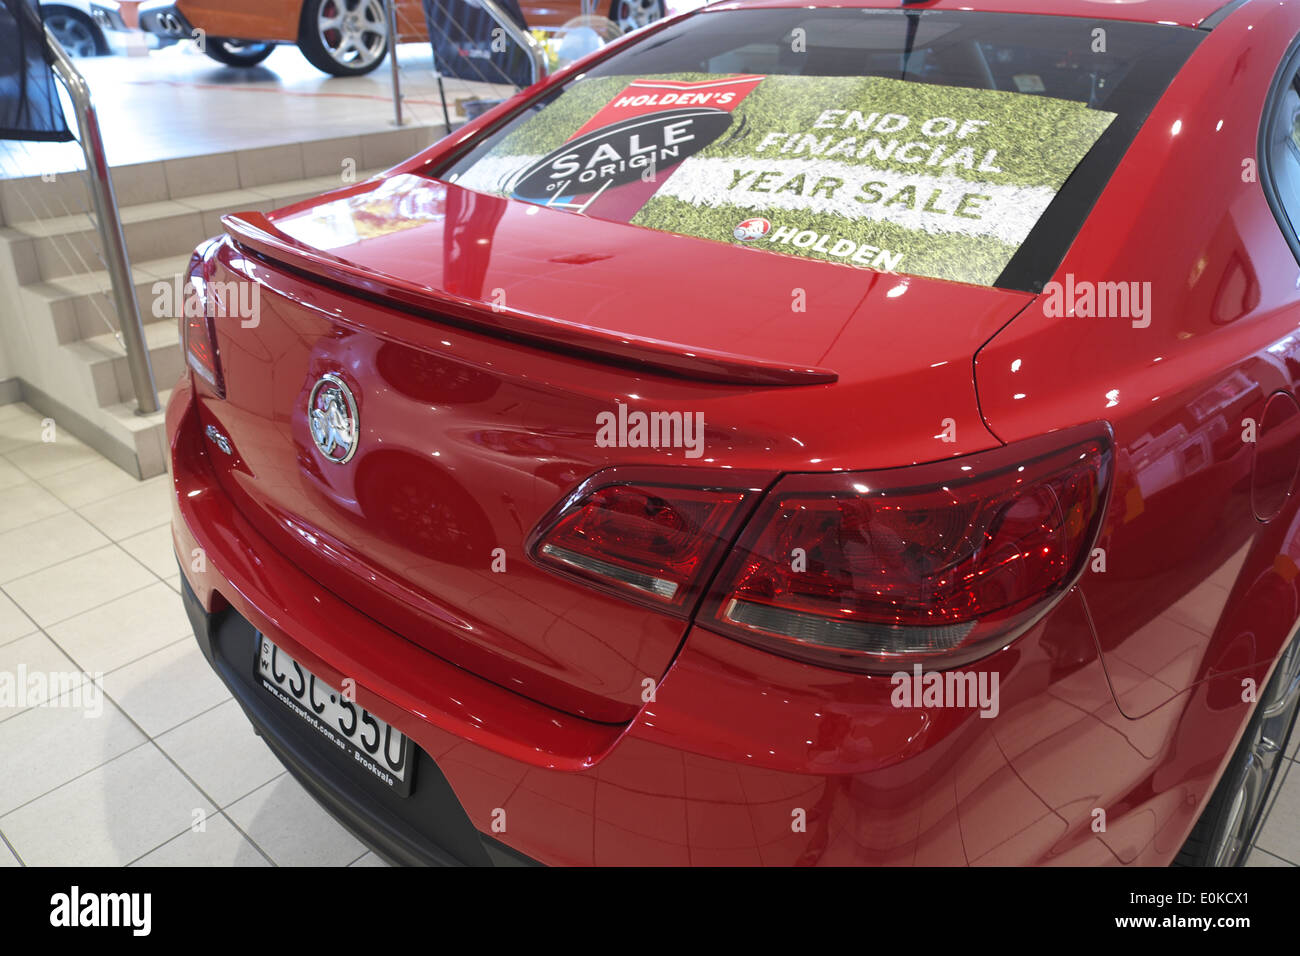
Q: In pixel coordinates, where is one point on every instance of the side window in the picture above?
(1280, 143)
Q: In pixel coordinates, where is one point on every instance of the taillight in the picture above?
(197, 323)
(936, 564)
(652, 543)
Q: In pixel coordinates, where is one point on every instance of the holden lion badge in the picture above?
(332, 413)
(752, 229)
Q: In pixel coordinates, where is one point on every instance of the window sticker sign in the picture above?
(870, 172)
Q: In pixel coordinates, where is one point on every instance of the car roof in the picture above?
(1188, 13)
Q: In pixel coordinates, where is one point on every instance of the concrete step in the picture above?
(104, 360)
(79, 298)
(69, 244)
(138, 443)
(30, 198)
(81, 306)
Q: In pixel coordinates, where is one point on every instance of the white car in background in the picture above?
(75, 27)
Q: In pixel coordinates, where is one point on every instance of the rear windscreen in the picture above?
(957, 145)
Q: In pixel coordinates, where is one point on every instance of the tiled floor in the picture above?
(176, 102)
(169, 772)
(88, 585)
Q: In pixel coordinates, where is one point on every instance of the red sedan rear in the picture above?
(791, 435)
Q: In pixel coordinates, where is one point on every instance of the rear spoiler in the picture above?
(258, 235)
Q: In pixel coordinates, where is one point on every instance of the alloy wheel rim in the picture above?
(354, 32)
(73, 35)
(1277, 710)
(634, 14)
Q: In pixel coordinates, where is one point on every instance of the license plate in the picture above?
(364, 740)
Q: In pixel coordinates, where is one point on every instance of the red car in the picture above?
(791, 435)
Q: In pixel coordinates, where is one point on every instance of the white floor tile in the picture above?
(7, 858)
(10, 475)
(109, 816)
(45, 747)
(33, 668)
(1259, 857)
(19, 428)
(124, 630)
(218, 844)
(46, 543)
(25, 502)
(13, 622)
(43, 458)
(369, 860)
(153, 549)
(145, 506)
(220, 752)
(166, 687)
(292, 828)
(88, 483)
(1281, 833)
(73, 587)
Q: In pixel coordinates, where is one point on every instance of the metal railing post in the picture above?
(109, 224)
(536, 56)
(390, 6)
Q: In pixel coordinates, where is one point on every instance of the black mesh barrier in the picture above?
(469, 45)
(29, 101)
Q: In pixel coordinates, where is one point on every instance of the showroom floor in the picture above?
(177, 102)
(170, 771)
(88, 584)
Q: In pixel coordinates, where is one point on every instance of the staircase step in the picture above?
(212, 206)
(31, 197)
(105, 359)
(81, 306)
(141, 437)
(67, 245)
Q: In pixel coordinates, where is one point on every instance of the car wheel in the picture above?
(237, 52)
(633, 14)
(1230, 822)
(344, 37)
(76, 32)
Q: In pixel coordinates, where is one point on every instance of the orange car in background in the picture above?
(341, 37)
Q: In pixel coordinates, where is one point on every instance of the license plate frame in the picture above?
(316, 708)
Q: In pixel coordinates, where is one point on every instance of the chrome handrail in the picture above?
(390, 9)
(109, 225)
(536, 56)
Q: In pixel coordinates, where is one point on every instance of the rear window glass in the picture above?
(957, 145)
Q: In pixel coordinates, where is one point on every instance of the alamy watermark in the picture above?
(956, 689)
(624, 429)
(235, 300)
(1099, 300)
(133, 911)
(77, 690)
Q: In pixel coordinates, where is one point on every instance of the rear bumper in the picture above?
(164, 19)
(741, 757)
(429, 828)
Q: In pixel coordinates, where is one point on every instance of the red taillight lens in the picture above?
(936, 564)
(653, 543)
(198, 332)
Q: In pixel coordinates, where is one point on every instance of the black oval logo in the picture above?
(620, 153)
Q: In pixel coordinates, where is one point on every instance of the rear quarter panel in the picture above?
(1196, 595)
